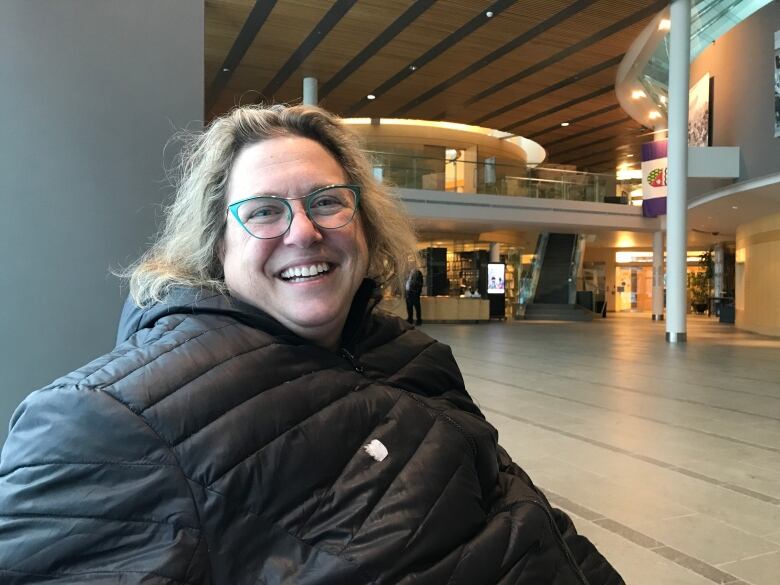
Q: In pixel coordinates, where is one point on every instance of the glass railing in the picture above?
(710, 19)
(490, 178)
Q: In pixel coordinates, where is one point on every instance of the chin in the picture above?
(317, 319)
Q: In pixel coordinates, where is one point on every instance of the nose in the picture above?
(303, 232)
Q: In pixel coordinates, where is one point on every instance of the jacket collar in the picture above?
(193, 301)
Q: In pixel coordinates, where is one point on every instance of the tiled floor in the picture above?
(666, 456)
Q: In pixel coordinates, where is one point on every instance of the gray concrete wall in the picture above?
(742, 63)
(91, 91)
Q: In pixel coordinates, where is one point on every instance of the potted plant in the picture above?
(700, 283)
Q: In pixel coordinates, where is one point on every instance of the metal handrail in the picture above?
(536, 271)
(574, 264)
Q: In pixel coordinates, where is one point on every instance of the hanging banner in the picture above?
(654, 163)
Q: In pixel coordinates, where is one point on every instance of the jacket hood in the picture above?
(195, 301)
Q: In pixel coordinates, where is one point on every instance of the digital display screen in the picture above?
(495, 279)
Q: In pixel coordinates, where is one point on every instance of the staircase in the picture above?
(551, 301)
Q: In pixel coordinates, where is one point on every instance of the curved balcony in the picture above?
(487, 177)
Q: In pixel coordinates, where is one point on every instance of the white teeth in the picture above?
(304, 271)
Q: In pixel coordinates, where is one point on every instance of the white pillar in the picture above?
(718, 266)
(310, 91)
(677, 174)
(658, 276)
(495, 252)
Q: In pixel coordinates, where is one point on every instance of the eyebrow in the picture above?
(311, 189)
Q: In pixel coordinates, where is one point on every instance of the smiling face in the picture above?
(263, 272)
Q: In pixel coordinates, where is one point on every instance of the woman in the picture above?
(259, 420)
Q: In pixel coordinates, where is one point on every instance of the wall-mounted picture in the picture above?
(699, 113)
(777, 84)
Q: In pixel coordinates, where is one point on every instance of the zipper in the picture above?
(353, 361)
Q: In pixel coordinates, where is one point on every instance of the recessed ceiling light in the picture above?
(412, 67)
(654, 115)
(564, 124)
(225, 69)
(637, 93)
(489, 14)
(371, 96)
(665, 24)
(734, 207)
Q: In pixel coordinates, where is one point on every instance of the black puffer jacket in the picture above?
(213, 446)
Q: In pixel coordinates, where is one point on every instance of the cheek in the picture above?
(242, 256)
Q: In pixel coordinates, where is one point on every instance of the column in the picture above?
(658, 276)
(677, 173)
(718, 266)
(718, 262)
(310, 91)
(495, 252)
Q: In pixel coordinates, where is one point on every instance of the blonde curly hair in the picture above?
(186, 251)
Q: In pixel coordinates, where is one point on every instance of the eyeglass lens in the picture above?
(270, 217)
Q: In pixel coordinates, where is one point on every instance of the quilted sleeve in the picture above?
(90, 494)
(593, 565)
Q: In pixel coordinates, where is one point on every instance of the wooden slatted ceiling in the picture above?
(224, 21)
(584, 36)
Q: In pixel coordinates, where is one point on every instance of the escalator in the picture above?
(554, 297)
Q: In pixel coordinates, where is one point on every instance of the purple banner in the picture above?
(654, 167)
(654, 207)
(654, 150)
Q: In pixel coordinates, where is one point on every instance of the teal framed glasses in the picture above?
(267, 216)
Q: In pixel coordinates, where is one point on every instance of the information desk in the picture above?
(442, 309)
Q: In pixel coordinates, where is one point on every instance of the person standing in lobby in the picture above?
(413, 290)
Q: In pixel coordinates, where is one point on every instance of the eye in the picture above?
(331, 201)
(262, 211)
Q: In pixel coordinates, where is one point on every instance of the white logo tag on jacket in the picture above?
(376, 449)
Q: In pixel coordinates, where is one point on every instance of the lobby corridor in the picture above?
(667, 457)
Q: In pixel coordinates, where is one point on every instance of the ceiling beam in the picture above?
(598, 68)
(614, 149)
(604, 162)
(320, 31)
(623, 141)
(591, 130)
(387, 35)
(515, 43)
(593, 114)
(575, 48)
(593, 154)
(589, 96)
(252, 25)
(432, 53)
(587, 144)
